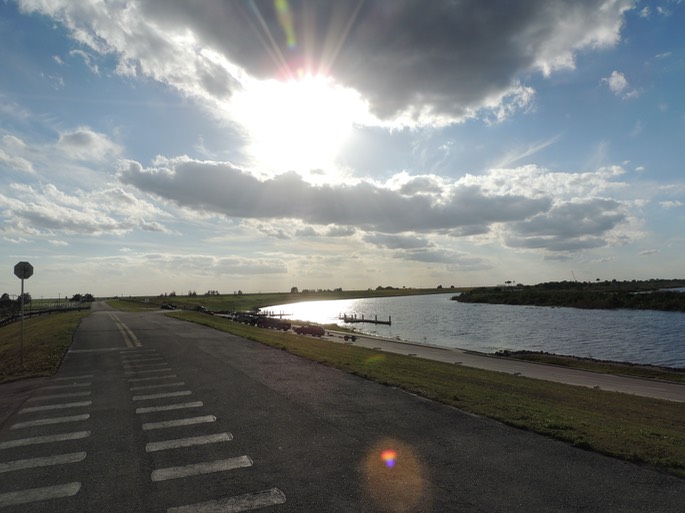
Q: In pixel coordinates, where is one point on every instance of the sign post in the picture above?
(23, 271)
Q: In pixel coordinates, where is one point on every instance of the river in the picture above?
(637, 336)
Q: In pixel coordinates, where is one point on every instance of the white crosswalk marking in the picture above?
(196, 469)
(152, 378)
(178, 422)
(39, 494)
(169, 407)
(56, 407)
(44, 439)
(235, 504)
(161, 396)
(58, 396)
(48, 461)
(51, 420)
(188, 442)
(162, 385)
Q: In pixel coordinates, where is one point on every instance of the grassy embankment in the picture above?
(249, 302)
(46, 339)
(632, 428)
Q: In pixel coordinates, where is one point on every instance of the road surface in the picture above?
(148, 413)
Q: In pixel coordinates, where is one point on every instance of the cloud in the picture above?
(86, 144)
(618, 84)
(569, 227)
(15, 163)
(226, 189)
(414, 61)
(48, 211)
(671, 204)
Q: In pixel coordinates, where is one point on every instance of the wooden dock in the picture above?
(353, 319)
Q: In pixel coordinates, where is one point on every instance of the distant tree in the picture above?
(76, 298)
(439, 286)
(27, 298)
(294, 290)
(87, 297)
(240, 292)
(172, 293)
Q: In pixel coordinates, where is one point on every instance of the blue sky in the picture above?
(151, 146)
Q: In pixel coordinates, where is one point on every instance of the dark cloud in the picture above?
(439, 57)
(569, 227)
(226, 189)
(397, 241)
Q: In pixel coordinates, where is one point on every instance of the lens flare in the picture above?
(285, 20)
(389, 456)
(394, 478)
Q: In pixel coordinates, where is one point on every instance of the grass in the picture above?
(46, 339)
(248, 302)
(633, 428)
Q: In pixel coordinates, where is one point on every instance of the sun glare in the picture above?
(299, 124)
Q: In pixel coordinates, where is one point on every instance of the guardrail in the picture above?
(37, 313)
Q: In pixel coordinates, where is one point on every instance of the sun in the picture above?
(298, 124)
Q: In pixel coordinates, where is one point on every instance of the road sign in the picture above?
(23, 270)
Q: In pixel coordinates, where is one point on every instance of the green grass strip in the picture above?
(633, 428)
(46, 339)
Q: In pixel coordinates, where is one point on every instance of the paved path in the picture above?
(644, 387)
(149, 413)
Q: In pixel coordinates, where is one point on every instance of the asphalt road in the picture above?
(153, 414)
(644, 387)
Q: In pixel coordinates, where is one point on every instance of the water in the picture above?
(637, 336)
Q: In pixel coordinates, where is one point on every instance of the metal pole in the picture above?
(22, 322)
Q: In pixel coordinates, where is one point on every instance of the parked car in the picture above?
(273, 323)
(203, 309)
(245, 318)
(168, 306)
(310, 329)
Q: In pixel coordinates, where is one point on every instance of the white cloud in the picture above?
(618, 84)
(48, 211)
(671, 204)
(15, 163)
(86, 144)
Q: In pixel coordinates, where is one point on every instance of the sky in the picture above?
(151, 146)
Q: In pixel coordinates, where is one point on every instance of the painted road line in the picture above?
(152, 378)
(39, 494)
(67, 378)
(48, 461)
(179, 422)
(63, 406)
(129, 338)
(144, 365)
(63, 437)
(169, 407)
(161, 396)
(62, 387)
(136, 351)
(58, 396)
(52, 420)
(150, 371)
(162, 385)
(197, 469)
(141, 359)
(235, 504)
(188, 442)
